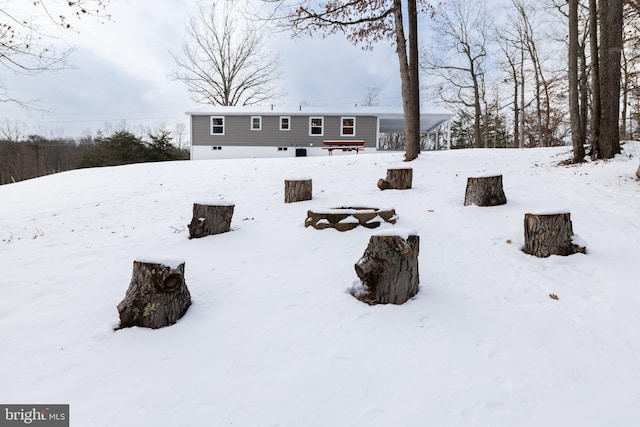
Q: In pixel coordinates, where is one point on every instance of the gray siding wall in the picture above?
(237, 131)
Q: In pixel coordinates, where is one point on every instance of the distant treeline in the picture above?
(37, 156)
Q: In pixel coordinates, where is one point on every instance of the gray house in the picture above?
(245, 132)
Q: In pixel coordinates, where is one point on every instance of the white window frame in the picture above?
(311, 119)
(342, 119)
(259, 123)
(288, 123)
(211, 125)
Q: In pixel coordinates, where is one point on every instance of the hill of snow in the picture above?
(273, 337)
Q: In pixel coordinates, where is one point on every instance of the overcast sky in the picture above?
(121, 70)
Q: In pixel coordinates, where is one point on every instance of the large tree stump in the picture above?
(210, 219)
(485, 191)
(297, 190)
(388, 270)
(550, 234)
(397, 179)
(157, 295)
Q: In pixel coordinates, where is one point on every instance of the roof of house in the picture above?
(391, 118)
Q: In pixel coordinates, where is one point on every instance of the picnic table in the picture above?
(344, 145)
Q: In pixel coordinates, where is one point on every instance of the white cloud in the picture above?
(122, 67)
(331, 71)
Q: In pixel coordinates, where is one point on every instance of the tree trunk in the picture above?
(477, 110)
(516, 110)
(397, 179)
(547, 117)
(549, 234)
(210, 219)
(412, 127)
(522, 103)
(157, 295)
(626, 88)
(413, 145)
(595, 79)
(297, 190)
(485, 191)
(389, 270)
(584, 93)
(538, 97)
(610, 57)
(574, 105)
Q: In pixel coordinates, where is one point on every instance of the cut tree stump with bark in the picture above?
(157, 295)
(397, 179)
(550, 234)
(388, 270)
(297, 190)
(209, 219)
(485, 191)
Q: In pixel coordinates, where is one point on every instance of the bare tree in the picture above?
(13, 131)
(460, 55)
(224, 59)
(371, 96)
(181, 135)
(514, 67)
(512, 40)
(25, 30)
(544, 77)
(530, 46)
(366, 22)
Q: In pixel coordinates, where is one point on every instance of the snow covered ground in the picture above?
(273, 337)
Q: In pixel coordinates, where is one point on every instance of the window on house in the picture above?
(316, 126)
(348, 127)
(256, 122)
(285, 123)
(217, 125)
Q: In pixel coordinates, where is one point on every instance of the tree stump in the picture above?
(397, 179)
(485, 191)
(297, 190)
(550, 234)
(210, 219)
(157, 295)
(388, 270)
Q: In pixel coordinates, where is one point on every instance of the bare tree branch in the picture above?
(224, 62)
(23, 36)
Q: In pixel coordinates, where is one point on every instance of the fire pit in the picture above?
(348, 218)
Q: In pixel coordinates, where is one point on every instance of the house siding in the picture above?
(237, 131)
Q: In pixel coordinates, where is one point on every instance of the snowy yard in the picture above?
(273, 337)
